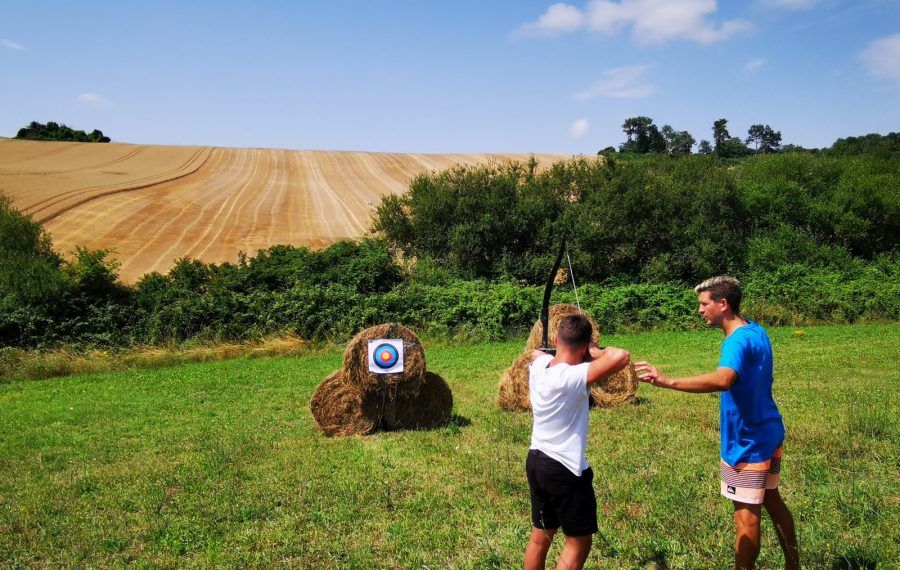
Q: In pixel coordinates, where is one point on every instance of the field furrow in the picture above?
(155, 204)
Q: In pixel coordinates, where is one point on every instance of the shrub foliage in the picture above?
(465, 251)
(56, 132)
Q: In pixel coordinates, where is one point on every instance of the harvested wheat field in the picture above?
(155, 204)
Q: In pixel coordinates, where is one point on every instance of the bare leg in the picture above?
(538, 546)
(575, 552)
(746, 546)
(784, 527)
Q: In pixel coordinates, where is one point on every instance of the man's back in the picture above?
(559, 401)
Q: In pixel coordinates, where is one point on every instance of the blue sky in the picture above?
(461, 76)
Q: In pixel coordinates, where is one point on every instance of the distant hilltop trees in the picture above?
(56, 132)
(645, 138)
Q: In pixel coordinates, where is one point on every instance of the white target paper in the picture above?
(386, 355)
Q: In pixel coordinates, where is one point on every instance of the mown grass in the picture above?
(218, 464)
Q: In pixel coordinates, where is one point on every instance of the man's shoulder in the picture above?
(754, 333)
(746, 334)
(541, 360)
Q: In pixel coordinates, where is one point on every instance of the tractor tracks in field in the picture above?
(87, 194)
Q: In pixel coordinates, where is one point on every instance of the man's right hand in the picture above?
(646, 372)
(535, 354)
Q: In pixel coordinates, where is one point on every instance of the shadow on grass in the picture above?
(457, 420)
(854, 563)
(658, 560)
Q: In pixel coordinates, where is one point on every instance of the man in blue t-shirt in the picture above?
(751, 428)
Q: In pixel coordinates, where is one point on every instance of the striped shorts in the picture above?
(747, 482)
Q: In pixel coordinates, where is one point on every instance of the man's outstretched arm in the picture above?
(718, 381)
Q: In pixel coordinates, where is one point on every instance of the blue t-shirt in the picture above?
(749, 421)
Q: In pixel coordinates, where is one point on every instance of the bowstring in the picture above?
(572, 275)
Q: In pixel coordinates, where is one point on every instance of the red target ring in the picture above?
(386, 356)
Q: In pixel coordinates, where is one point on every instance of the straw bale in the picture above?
(340, 410)
(356, 361)
(620, 388)
(513, 393)
(615, 390)
(557, 313)
(431, 408)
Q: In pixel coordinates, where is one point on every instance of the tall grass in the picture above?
(19, 364)
(218, 464)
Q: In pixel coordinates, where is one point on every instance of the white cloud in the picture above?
(619, 83)
(882, 58)
(94, 100)
(791, 4)
(13, 45)
(650, 21)
(559, 18)
(579, 128)
(754, 64)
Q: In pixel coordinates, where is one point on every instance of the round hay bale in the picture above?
(430, 409)
(513, 394)
(615, 390)
(340, 410)
(557, 313)
(356, 361)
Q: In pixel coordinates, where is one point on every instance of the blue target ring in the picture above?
(386, 356)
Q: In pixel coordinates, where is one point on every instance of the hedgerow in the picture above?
(465, 252)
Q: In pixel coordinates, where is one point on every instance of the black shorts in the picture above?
(559, 497)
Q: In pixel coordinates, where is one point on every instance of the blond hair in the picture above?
(723, 287)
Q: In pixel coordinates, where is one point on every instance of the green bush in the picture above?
(466, 252)
(659, 219)
(29, 268)
(56, 132)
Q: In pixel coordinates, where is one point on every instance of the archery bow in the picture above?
(545, 307)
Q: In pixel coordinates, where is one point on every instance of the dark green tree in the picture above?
(637, 129)
(657, 141)
(56, 132)
(765, 139)
(643, 136)
(678, 143)
(733, 148)
(720, 135)
(873, 143)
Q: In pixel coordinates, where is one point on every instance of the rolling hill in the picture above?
(154, 204)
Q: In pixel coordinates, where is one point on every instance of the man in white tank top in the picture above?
(559, 476)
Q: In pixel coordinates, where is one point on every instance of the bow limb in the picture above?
(545, 306)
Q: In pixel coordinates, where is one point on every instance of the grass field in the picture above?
(218, 464)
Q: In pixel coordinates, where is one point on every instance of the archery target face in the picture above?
(386, 356)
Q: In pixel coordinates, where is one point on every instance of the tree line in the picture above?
(644, 137)
(813, 236)
(653, 220)
(55, 132)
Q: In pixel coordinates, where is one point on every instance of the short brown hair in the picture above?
(723, 287)
(575, 331)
